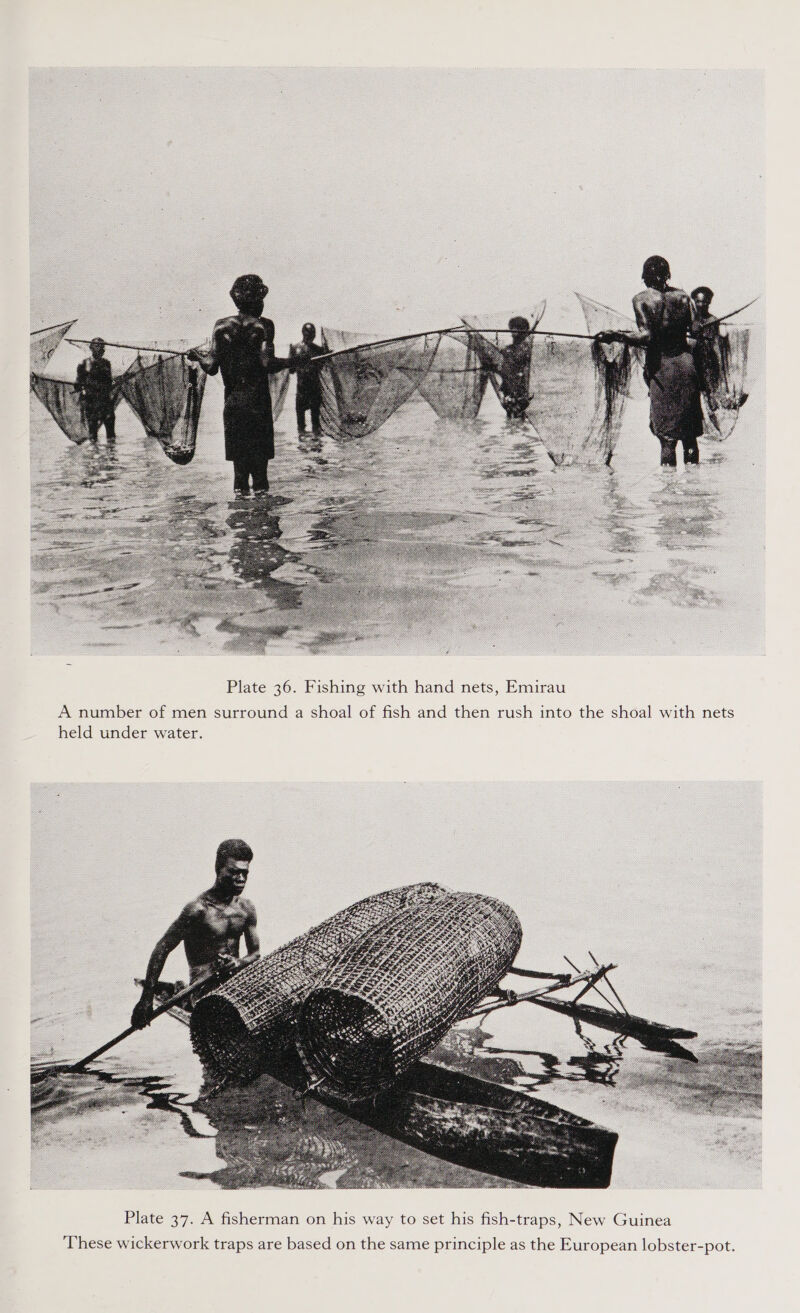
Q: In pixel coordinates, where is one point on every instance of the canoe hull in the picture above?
(473, 1122)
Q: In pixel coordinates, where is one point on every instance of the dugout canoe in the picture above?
(485, 1125)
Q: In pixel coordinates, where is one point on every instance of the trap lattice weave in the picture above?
(395, 991)
(233, 1027)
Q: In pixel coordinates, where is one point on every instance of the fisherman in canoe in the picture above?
(94, 385)
(309, 389)
(515, 369)
(243, 351)
(663, 322)
(210, 927)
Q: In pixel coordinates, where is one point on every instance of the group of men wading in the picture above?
(677, 332)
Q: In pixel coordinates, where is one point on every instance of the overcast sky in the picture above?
(384, 199)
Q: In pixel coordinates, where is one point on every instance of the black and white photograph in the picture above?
(397, 360)
(396, 985)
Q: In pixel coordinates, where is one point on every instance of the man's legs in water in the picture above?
(668, 456)
(691, 451)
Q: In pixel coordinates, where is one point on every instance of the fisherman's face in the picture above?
(702, 301)
(309, 334)
(234, 874)
(98, 350)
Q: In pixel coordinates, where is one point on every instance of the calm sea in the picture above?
(662, 879)
(424, 537)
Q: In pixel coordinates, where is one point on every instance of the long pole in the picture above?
(439, 332)
(127, 346)
(157, 1012)
(65, 323)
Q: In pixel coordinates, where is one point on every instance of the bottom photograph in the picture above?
(386, 986)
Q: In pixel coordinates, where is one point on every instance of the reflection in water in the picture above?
(426, 535)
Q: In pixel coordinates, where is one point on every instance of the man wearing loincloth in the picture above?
(309, 389)
(243, 351)
(663, 321)
(210, 927)
(94, 385)
(515, 369)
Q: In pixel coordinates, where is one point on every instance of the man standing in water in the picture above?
(663, 320)
(243, 350)
(309, 389)
(94, 384)
(515, 369)
(210, 927)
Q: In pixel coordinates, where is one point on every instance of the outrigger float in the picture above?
(486, 1125)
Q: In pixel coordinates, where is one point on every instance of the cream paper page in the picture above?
(618, 765)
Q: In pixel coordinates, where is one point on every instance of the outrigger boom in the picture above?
(614, 1018)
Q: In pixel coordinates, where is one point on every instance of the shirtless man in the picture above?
(95, 385)
(515, 369)
(309, 389)
(243, 350)
(663, 321)
(210, 927)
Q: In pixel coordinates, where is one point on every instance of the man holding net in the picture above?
(515, 369)
(309, 388)
(663, 322)
(210, 928)
(95, 386)
(243, 351)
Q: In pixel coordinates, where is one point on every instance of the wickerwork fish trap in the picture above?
(234, 1027)
(396, 990)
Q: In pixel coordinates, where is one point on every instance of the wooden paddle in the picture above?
(157, 1012)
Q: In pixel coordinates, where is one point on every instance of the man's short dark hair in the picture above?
(236, 848)
(248, 290)
(655, 268)
(518, 324)
(706, 291)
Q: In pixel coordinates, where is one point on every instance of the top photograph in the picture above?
(381, 361)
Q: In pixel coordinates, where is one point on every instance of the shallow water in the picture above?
(425, 537)
(663, 880)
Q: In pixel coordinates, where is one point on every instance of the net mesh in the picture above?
(396, 990)
(722, 360)
(234, 1027)
(456, 381)
(578, 399)
(491, 342)
(599, 317)
(44, 343)
(364, 387)
(166, 392)
(67, 406)
(278, 387)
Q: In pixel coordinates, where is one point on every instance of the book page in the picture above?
(405, 615)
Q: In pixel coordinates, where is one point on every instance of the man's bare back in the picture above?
(210, 927)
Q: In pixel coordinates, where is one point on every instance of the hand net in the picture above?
(66, 406)
(166, 392)
(363, 387)
(44, 342)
